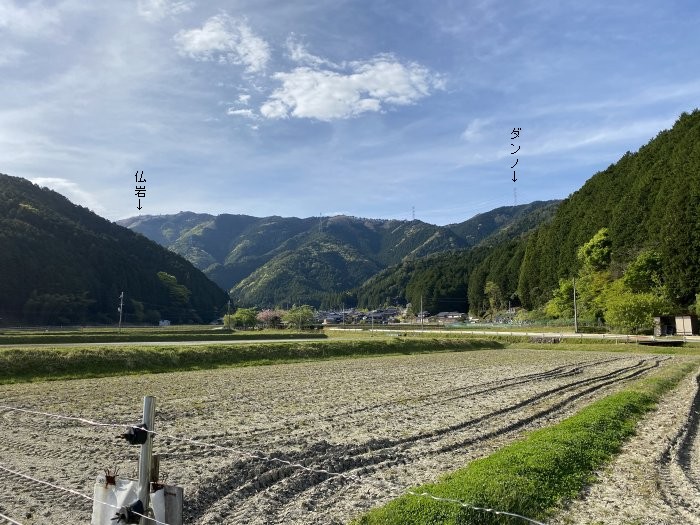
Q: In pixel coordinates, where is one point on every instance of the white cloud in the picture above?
(474, 128)
(33, 19)
(155, 10)
(600, 135)
(248, 113)
(69, 189)
(298, 53)
(372, 85)
(225, 39)
(244, 99)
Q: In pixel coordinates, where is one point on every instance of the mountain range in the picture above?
(61, 263)
(276, 261)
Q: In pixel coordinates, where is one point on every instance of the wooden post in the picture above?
(149, 413)
(173, 497)
(155, 468)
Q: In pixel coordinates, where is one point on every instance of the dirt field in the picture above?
(656, 478)
(394, 421)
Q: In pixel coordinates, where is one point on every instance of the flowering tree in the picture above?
(270, 318)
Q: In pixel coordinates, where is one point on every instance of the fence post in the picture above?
(149, 413)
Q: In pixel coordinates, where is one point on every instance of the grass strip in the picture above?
(19, 364)
(532, 476)
(125, 337)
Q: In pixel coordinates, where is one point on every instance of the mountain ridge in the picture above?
(317, 256)
(62, 263)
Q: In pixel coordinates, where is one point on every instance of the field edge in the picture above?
(534, 475)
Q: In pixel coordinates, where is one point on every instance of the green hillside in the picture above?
(273, 260)
(504, 222)
(630, 235)
(455, 280)
(278, 260)
(647, 200)
(61, 263)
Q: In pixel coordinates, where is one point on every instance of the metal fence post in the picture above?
(149, 412)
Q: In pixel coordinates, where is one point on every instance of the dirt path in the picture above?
(394, 422)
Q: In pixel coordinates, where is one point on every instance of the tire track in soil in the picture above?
(232, 486)
(267, 493)
(679, 467)
(555, 373)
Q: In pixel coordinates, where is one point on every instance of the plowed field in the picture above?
(394, 422)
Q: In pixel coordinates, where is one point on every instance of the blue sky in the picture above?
(367, 108)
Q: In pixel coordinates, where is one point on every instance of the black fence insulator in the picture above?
(130, 514)
(136, 435)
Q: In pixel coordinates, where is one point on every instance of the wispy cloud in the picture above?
(69, 189)
(154, 10)
(225, 39)
(248, 113)
(600, 135)
(33, 19)
(474, 129)
(298, 53)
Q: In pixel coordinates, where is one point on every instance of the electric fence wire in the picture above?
(9, 520)
(269, 459)
(75, 493)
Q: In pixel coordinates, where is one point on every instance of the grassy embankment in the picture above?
(96, 335)
(534, 475)
(518, 341)
(21, 364)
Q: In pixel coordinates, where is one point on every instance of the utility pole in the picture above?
(121, 309)
(228, 314)
(421, 312)
(575, 311)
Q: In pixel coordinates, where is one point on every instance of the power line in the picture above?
(261, 457)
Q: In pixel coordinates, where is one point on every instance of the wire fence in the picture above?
(243, 453)
(75, 493)
(9, 520)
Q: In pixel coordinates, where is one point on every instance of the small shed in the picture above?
(686, 325)
(676, 325)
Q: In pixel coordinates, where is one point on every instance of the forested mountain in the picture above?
(647, 200)
(277, 260)
(505, 222)
(61, 263)
(645, 213)
(456, 280)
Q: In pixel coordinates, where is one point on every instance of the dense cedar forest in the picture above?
(648, 203)
(276, 261)
(63, 264)
(647, 200)
(453, 281)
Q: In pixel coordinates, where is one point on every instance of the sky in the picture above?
(372, 108)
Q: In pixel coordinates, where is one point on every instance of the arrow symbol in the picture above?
(139, 206)
(514, 179)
